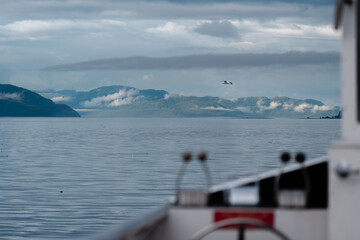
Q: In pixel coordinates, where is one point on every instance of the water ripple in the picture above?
(69, 178)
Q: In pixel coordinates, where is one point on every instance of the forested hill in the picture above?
(20, 102)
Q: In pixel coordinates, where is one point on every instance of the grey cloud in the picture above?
(52, 9)
(221, 29)
(203, 61)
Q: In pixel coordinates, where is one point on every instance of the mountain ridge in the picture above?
(125, 101)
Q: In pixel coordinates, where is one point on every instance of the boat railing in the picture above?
(138, 229)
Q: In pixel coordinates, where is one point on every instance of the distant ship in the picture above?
(306, 200)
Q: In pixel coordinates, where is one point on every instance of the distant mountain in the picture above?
(124, 101)
(20, 102)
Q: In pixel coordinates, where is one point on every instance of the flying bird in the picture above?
(227, 82)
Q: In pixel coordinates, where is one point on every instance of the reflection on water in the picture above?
(69, 178)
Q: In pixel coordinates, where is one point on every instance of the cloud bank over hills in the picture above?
(123, 101)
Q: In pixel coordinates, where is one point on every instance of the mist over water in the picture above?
(69, 178)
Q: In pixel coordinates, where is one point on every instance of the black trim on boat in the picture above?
(291, 179)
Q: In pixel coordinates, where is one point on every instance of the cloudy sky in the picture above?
(266, 48)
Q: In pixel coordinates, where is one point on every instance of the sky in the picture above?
(265, 48)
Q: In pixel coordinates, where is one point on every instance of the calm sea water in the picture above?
(112, 170)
